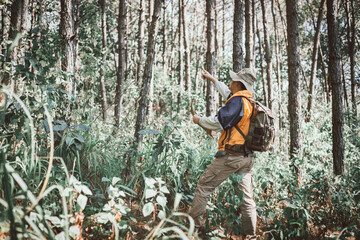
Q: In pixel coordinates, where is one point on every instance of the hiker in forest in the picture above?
(232, 155)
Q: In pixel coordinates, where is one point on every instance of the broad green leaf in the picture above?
(164, 189)
(149, 131)
(177, 200)
(82, 127)
(74, 231)
(115, 180)
(60, 236)
(161, 214)
(82, 200)
(104, 179)
(86, 190)
(148, 209)
(150, 182)
(161, 200)
(149, 193)
(67, 192)
(61, 125)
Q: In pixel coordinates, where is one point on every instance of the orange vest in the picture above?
(231, 140)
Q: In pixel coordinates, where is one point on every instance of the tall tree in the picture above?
(267, 54)
(140, 42)
(249, 57)
(164, 33)
(261, 61)
(67, 33)
(186, 48)
(102, 66)
(122, 60)
(351, 33)
(237, 35)
(293, 76)
(336, 88)
(150, 55)
(278, 67)
(180, 59)
(314, 59)
(210, 56)
(18, 24)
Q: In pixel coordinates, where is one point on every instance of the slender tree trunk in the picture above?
(278, 68)
(267, 55)
(150, 55)
(223, 29)
(18, 24)
(216, 29)
(67, 33)
(151, 91)
(324, 73)
(102, 66)
(180, 59)
(164, 53)
(294, 81)
(253, 9)
(237, 36)
(344, 85)
(351, 31)
(140, 42)
(121, 61)
(210, 56)
(186, 47)
(314, 60)
(336, 87)
(249, 58)
(77, 21)
(282, 20)
(261, 62)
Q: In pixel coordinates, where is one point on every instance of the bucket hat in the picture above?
(245, 76)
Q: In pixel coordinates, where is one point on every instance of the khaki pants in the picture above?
(217, 172)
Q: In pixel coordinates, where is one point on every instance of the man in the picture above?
(233, 121)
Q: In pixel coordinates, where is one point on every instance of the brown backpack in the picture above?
(262, 130)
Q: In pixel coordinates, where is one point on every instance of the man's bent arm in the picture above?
(211, 123)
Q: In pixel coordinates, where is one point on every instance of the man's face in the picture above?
(232, 87)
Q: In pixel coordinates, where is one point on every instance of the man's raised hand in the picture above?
(207, 75)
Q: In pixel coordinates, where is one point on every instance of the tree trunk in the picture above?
(344, 85)
(336, 87)
(18, 23)
(150, 55)
(294, 81)
(278, 67)
(216, 29)
(237, 36)
(140, 43)
(121, 60)
(164, 32)
(267, 55)
(223, 29)
(102, 66)
(351, 31)
(151, 91)
(249, 58)
(314, 61)
(210, 56)
(261, 63)
(324, 73)
(77, 21)
(180, 59)
(67, 33)
(187, 51)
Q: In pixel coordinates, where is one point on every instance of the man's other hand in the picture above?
(196, 119)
